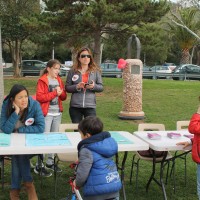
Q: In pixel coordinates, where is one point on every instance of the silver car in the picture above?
(111, 70)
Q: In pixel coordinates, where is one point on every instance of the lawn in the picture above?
(164, 101)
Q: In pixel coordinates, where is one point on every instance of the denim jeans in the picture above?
(198, 180)
(20, 170)
(52, 124)
(77, 114)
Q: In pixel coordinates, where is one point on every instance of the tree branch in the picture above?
(185, 27)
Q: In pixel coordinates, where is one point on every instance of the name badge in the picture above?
(29, 121)
(75, 77)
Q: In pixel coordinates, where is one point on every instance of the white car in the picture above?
(172, 66)
(161, 69)
(3, 63)
(63, 67)
(68, 63)
(64, 70)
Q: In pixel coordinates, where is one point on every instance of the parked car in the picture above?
(64, 70)
(111, 70)
(161, 69)
(172, 66)
(3, 63)
(146, 68)
(69, 63)
(186, 71)
(31, 67)
(34, 68)
(28, 68)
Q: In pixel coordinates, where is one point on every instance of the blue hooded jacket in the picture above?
(103, 177)
(7, 123)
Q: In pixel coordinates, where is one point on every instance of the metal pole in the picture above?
(144, 59)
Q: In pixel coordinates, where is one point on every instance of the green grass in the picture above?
(164, 101)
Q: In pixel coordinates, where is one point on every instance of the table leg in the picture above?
(122, 168)
(162, 164)
(152, 175)
(2, 173)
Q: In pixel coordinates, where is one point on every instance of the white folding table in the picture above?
(163, 144)
(18, 146)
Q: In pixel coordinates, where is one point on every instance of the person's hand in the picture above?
(59, 91)
(185, 144)
(17, 109)
(90, 86)
(80, 85)
(198, 110)
(74, 183)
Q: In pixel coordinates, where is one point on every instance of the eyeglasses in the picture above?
(84, 55)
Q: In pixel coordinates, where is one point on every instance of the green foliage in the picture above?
(16, 27)
(90, 20)
(154, 43)
(190, 18)
(19, 8)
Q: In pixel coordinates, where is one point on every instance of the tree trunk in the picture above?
(1, 74)
(198, 55)
(16, 58)
(185, 57)
(97, 48)
(192, 54)
(74, 51)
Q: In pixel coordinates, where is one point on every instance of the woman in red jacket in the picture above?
(194, 128)
(50, 93)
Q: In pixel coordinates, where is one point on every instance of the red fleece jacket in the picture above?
(43, 96)
(194, 128)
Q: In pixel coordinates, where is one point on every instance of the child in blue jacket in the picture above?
(97, 172)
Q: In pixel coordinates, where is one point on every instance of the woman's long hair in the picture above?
(92, 66)
(16, 89)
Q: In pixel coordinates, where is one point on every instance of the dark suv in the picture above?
(186, 71)
(31, 67)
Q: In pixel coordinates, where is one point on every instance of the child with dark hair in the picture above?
(97, 172)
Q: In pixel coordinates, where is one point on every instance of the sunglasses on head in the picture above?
(84, 55)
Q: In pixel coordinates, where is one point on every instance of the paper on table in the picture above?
(120, 139)
(4, 140)
(52, 139)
